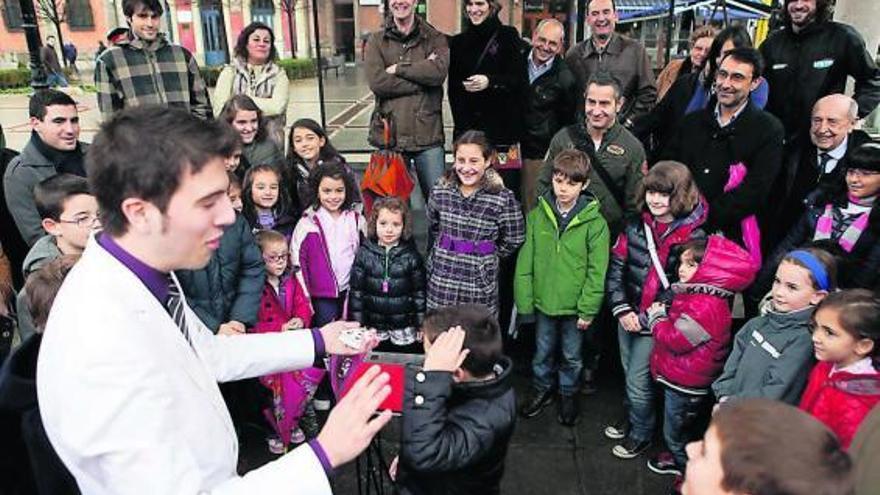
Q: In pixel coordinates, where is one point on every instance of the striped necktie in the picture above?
(174, 305)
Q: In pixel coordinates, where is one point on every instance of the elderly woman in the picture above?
(700, 42)
(254, 73)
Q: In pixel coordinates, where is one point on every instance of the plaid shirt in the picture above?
(457, 278)
(137, 73)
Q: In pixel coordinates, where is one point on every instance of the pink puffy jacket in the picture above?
(692, 342)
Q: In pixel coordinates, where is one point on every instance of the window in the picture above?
(263, 11)
(79, 14)
(12, 15)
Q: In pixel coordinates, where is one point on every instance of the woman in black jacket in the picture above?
(387, 284)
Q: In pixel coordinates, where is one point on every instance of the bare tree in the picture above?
(54, 11)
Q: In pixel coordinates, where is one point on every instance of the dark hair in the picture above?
(828, 261)
(613, 5)
(478, 138)
(737, 35)
(494, 7)
(770, 448)
(234, 180)
(50, 194)
(244, 103)
(395, 205)
(266, 237)
(573, 164)
(129, 7)
(143, 152)
(865, 157)
(334, 171)
(249, 209)
(745, 55)
(858, 311)
(47, 98)
(42, 286)
(482, 334)
(824, 12)
(672, 178)
(697, 247)
(328, 151)
(241, 44)
(604, 78)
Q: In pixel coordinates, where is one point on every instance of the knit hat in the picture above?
(866, 157)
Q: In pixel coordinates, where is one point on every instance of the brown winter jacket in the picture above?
(414, 95)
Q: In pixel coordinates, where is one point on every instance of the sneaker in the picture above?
(664, 463)
(321, 404)
(536, 403)
(618, 430)
(675, 489)
(568, 411)
(297, 436)
(630, 448)
(276, 446)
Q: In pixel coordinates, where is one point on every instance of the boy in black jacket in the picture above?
(459, 408)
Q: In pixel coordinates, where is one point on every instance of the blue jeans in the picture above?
(635, 355)
(552, 334)
(429, 165)
(56, 79)
(682, 416)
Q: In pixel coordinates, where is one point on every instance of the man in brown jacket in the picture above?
(407, 62)
(623, 58)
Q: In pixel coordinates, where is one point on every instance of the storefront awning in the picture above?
(641, 10)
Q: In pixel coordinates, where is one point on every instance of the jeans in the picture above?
(554, 334)
(429, 164)
(56, 79)
(635, 354)
(683, 415)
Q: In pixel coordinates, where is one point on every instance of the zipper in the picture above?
(385, 275)
(151, 60)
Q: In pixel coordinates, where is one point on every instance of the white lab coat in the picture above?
(131, 408)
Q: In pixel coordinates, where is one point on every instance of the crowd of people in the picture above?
(719, 219)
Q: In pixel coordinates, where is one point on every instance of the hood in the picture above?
(725, 265)
(18, 385)
(42, 252)
(489, 388)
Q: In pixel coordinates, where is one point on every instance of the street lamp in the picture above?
(32, 34)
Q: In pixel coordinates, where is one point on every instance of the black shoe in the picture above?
(664, 463)
(630, 448)
(618, 430)
(588, 385)
(536, 403)
(568, 410)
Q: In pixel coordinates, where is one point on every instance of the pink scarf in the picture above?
(847, 241)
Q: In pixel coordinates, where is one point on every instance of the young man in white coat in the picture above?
(127, 374)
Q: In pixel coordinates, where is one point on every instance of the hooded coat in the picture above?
(840, 400)
(692, 341)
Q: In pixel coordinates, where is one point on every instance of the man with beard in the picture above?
(623, 58)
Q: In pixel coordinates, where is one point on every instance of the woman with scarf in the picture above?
(254, 73)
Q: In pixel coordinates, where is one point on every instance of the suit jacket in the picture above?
(131, 407)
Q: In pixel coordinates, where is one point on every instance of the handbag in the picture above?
(507, 157)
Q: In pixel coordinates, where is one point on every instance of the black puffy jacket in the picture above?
(230, 286)
(387, 288)
(455, 435)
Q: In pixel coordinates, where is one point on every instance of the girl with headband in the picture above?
(773, 353)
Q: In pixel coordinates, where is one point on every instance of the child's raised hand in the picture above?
(293, 324)
(445, 353)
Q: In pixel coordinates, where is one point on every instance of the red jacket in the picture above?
(274, 313)
(840, 401)
(693, 341)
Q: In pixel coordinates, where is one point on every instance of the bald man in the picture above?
(550, 103)
(822, 164)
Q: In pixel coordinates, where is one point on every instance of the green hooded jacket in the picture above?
(562, 273)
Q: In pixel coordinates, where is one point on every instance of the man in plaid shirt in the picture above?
(145, 69)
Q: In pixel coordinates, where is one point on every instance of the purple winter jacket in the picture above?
(308, 251)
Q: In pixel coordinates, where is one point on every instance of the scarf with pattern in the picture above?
(256, 81)
(849, 237)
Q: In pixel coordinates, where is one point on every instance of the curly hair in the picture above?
(394, 205)
(333, 171)
(824, 12)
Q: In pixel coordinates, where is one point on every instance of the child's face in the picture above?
(233, 161)
(566, 190)
(275, 257)
(688, 266)
(704, 472)
(247, 124)
(470, 165)
(658, 203)
(234, 193)
(793, 289)
(834, 344)
(863, 183)
(331, 194)
(264, 192)
(306, 143)
(389, 226)
(78, 219)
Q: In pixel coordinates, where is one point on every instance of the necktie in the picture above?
(174, 305)
(824, 158)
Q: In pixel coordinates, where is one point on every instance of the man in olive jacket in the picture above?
(407, 62)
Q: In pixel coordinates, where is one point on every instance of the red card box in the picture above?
(395, 365)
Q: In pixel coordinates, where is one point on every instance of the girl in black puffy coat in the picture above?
(387, 284)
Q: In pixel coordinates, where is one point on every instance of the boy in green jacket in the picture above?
(560, 279)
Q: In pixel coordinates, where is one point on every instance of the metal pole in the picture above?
(579, 28)
(319, 59)
(32, 34)
(670, 21)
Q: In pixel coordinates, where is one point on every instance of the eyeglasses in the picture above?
(84, 222)
(860, 172)
(275, 258)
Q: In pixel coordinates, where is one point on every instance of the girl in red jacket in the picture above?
(692, 340)
(284, 306)
(845, 384)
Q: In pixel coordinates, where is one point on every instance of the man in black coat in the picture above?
(550, 102)
(734, 131)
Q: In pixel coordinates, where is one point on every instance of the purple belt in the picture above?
(464, 246)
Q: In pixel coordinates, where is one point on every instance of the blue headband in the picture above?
(814, 265)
